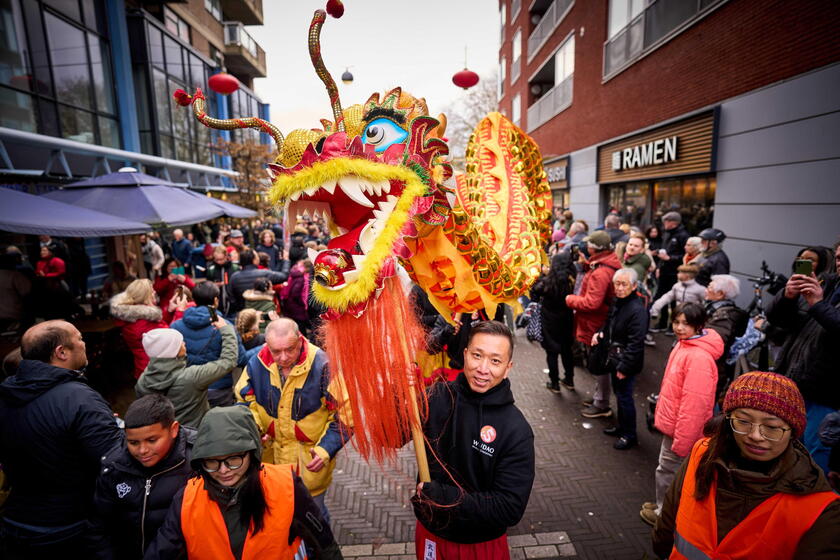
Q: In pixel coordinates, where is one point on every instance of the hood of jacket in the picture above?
(130, 313)
(604, 258)
(226, 430)
(34, 378)
(710, 341)
(196, 318)
(161, 373)
(254, 295)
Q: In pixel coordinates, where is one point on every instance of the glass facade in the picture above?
(55, 70)
(644, 202)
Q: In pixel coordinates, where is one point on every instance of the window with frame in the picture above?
(214, 7)
(56, 75)
(502, 76)
(516, 56)
(564, 61)
(622, 12)
(502, 20)
(516, 109)
(175, 24)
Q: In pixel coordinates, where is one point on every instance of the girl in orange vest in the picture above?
(238, 508)
(751, 490)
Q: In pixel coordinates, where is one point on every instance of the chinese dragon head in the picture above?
(377, 173)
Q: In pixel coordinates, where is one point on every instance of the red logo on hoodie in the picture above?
(488, 434)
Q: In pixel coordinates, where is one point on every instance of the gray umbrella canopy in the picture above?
(137, 196)
(230, 210)
(21, 212)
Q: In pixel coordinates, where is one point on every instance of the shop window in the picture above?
(17, 110)
(76, 124)
(693, 198)
(68, 52)
(630, 202)
(100, 63)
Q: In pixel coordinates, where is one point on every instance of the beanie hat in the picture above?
(162, 343)
(600, 239)
(768, 392)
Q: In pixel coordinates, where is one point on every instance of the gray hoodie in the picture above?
(186, 386)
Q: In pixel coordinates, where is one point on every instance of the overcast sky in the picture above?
(417, 45)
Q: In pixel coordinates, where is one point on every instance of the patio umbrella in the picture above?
(138, 196)
(230, 210)
(21, 212)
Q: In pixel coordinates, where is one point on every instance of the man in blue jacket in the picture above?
(54, 430)
(182, 249)
(204, 342)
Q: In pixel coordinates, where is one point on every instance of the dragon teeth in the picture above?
(329, 186)
(295, 196)
(358, 260)
(353, 189)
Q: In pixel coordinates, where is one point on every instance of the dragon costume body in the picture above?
(378, 175)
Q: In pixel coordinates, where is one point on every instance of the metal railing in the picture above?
(549, 22)
(551, 104)
(659, 21)
(235, 34)
(515, 6)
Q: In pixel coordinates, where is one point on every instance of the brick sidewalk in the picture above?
(583, 489)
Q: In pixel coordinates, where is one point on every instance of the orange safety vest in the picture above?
(771, 531)
(204, 527)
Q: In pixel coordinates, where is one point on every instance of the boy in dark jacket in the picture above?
(138, 478)
(481, 456)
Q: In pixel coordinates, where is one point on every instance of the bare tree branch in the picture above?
(464, 114)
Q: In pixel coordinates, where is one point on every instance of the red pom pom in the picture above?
(335, 8)
(182, 98)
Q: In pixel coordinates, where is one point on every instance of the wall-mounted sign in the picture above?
(557, 172)
(685, 147)
(657, 152)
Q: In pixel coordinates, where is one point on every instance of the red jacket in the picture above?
(165, 289)
(134, 321)
(596, 293)
(52, 268)
(687, 395)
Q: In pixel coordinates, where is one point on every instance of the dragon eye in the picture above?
(381, 133)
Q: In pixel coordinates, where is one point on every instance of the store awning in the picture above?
(230, 210)
(21, 212)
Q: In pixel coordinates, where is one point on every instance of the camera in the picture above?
(773, 280)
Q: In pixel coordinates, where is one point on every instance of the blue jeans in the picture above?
(623, 389)
(819, 452)
(320, 501)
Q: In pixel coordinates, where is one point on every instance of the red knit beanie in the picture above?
(768, 392)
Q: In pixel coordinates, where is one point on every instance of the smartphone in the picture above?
(213, 316)
(803, 266)
(179, 270)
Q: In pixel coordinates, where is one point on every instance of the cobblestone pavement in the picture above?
(584, 489)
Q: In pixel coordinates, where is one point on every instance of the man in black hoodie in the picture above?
(481, 454)
(138, 478)
(54, 430)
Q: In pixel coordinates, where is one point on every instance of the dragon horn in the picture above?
(199, 109)
(318, 20)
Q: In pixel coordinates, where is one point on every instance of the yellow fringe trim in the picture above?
(334, 169)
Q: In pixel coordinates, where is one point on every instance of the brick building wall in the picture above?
(741, 46)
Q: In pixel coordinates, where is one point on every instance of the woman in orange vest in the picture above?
(238, 508)
(751, 490)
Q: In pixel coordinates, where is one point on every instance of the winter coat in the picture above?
(740, 491)
(262, 302)
(275, 255)
(182, 250)
(487, 446)
(812, 351)
(714, 262)
(225, 431)
(300, 415)
(165, 288)
(293, 300)
(134, 321)
(640, 263)
(54, 430)
(186, 386)
(204, 342)
(730, 322)
(682, 292)
(688, 388)
(131, 501)
(557, 320)
(152, 254)
(216, 273)
(596, 293)
(673, 242)
(51, 268)
(627, 325)
(14, 287)
(243, 281)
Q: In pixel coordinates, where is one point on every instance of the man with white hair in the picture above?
(725, 318)
(288, 388)
(181, 249)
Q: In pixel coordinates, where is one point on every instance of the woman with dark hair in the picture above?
(238, 507)
(557, 319)
(751, 490)
(167, 284)
(686, 397)
(822, 257)
(268, 245)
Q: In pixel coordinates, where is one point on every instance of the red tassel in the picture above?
(335, 8)
(182, 98)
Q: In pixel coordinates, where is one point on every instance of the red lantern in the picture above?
(223, 83)
(465, 79)
(335, 8)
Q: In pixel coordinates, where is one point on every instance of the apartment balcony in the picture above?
(551, 104)
(243, 56)
(515, 70)
(249, 12)
(551, 16)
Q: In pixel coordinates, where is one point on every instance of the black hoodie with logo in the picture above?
(481, 457)
(54, 430)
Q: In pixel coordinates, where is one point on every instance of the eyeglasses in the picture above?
(233, 462)
(770, 433)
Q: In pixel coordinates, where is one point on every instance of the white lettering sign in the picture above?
(556, 174)
(657, 152)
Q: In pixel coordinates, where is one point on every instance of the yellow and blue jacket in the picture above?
(299, 414)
